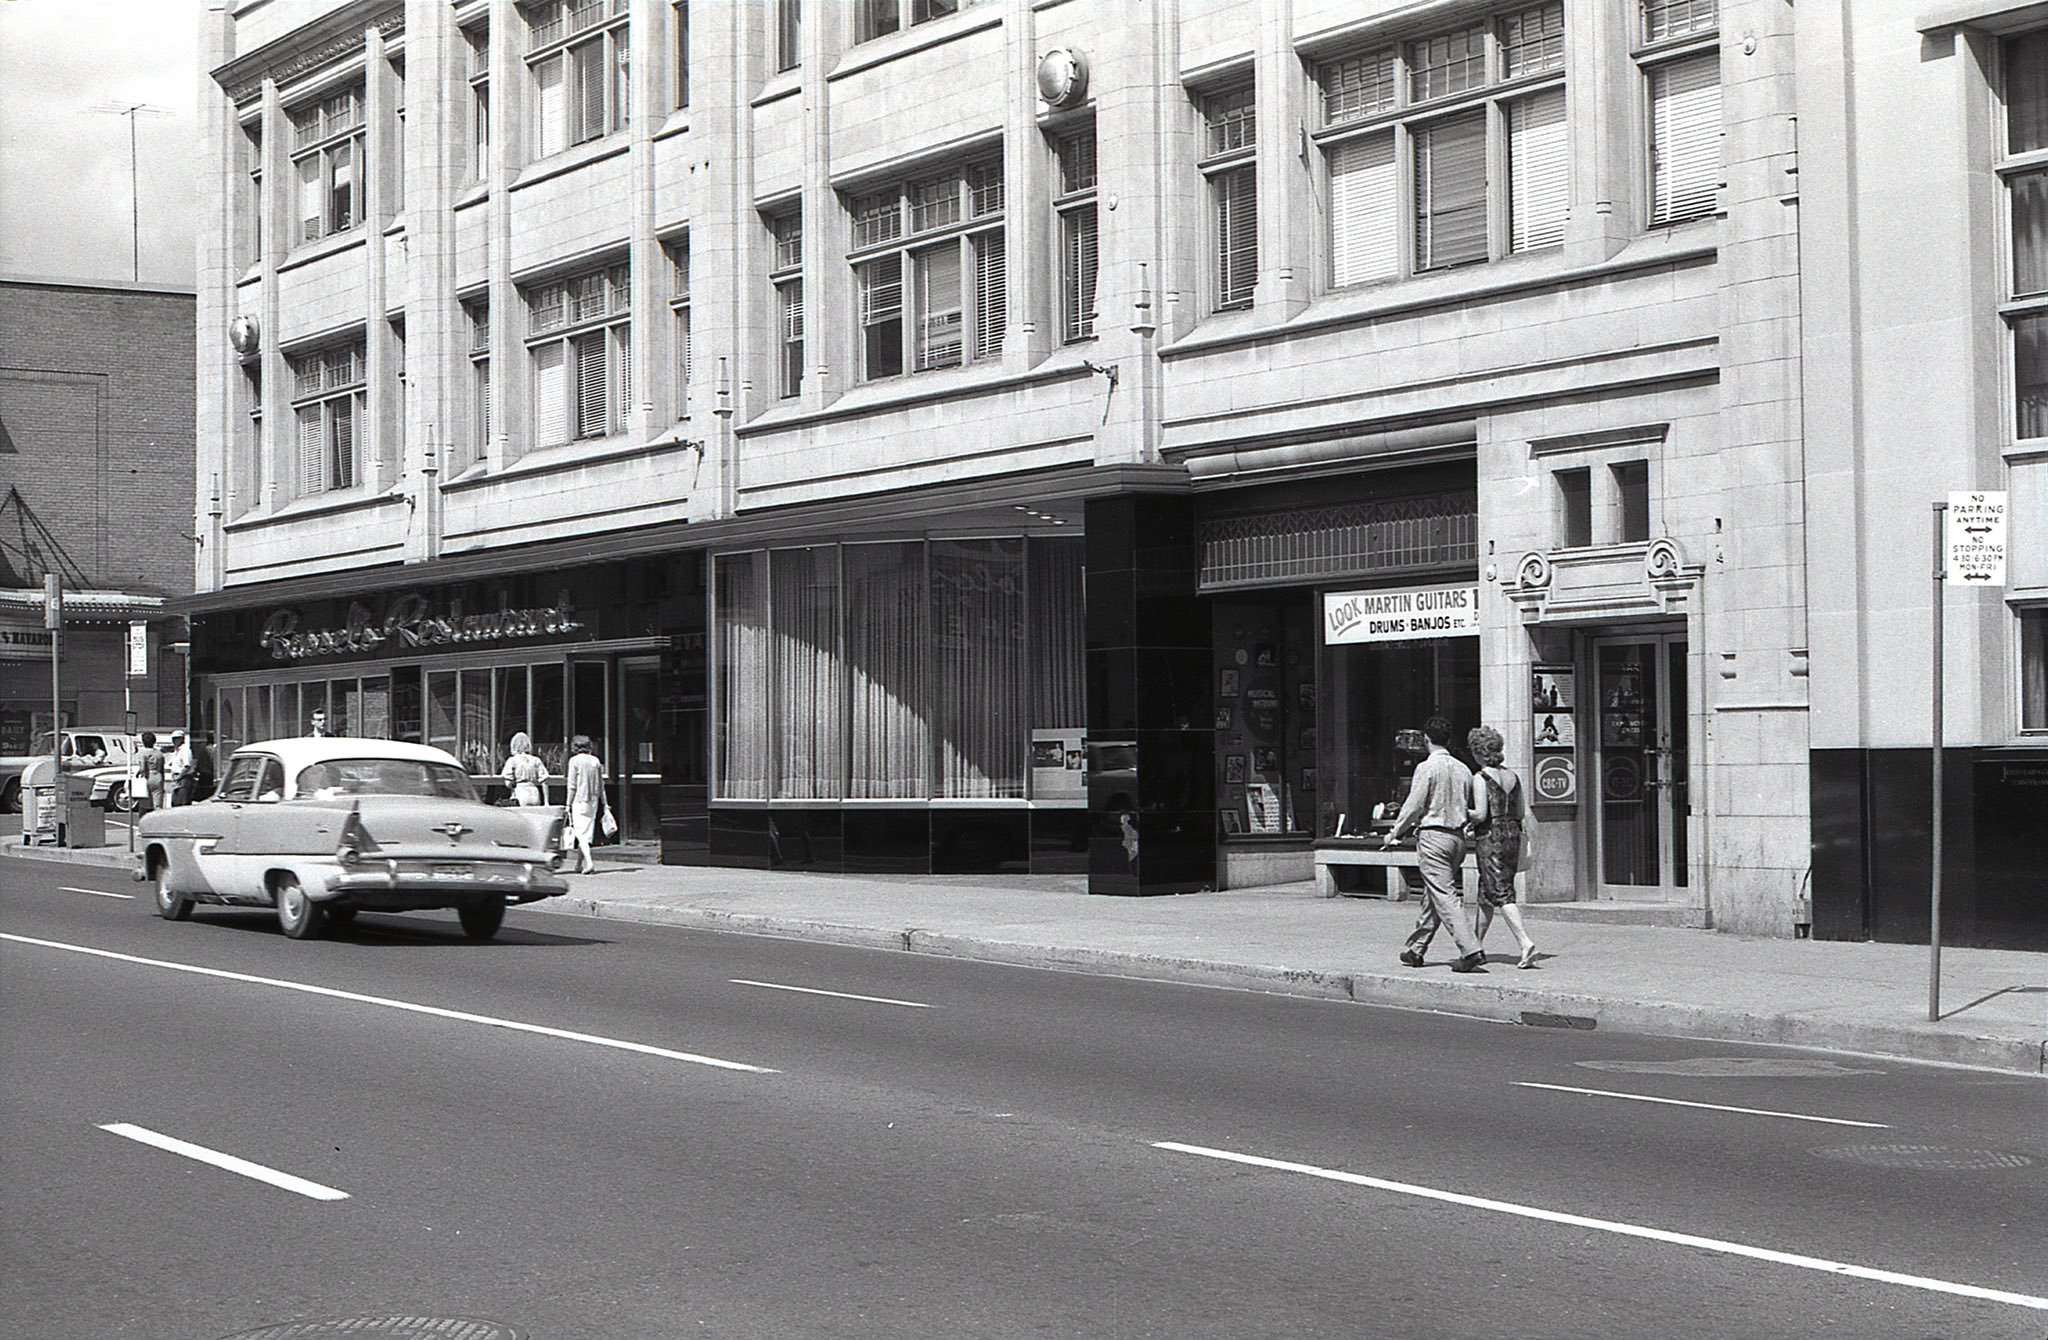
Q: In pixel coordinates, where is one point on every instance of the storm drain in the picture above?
(393, 1328)
(1927, 1158)
(1732, 1067)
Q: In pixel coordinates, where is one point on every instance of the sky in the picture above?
(64, 169)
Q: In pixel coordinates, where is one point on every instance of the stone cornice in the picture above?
(330, 38)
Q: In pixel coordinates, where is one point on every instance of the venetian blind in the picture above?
(1078, 262)
(991, 298)
(551, 106)
(550, 394)
(1237, 235)
(1539, 182)
(1364, 211)
(1685, 138)
(1450, 191)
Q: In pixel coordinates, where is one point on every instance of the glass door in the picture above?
(1641, 753)
(636, 765)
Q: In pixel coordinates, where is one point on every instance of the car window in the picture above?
(270, 785)
(88, 746)
(384, 777)
(243, 770)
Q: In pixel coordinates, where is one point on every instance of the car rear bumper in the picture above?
(383, 886)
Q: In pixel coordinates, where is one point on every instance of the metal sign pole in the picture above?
(1934, 886)
(53, 619)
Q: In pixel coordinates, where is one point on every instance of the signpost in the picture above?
(138, 668)
(1969, 541)
(53, 620)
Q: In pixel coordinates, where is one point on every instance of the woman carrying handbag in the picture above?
(585, 799)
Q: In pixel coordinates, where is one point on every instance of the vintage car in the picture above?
(323, 828)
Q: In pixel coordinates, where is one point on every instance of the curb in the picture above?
(1504, 1004)
(100, 856)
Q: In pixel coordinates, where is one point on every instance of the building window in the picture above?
(679, 304)
(329, 154)
(2034, 668)
(1631, 500)
(1685, 108)
(1230, 136)
(328, 404)
(397, 178)
(879, 18)
(249, 462)
(578, 53)
(1447, 150)
(928, 263)
(680, 21)
(789, 34)
(579, 340)
(479, 314)
(2023, 167)
(252, 146)
(479, 42)
(1574, 508)
(787, 278)
(1074, 201)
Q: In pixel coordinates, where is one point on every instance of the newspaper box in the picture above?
(57, 808)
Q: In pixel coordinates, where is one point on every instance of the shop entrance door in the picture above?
(635, 764)
(1640, 755)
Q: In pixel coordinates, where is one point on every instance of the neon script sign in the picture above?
(411, 622)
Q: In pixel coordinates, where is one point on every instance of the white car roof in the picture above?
(299, 751)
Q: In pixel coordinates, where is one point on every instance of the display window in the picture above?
(1266, 717)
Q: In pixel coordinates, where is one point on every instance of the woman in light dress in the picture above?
(1498, 810)
(585, 800)
(525, 773)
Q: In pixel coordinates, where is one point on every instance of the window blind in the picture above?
(938, 306)
(551, 106)
(1685, 138)
(1364, 211)
(590, 82)
(1450, 191)
(590, 384)
(991, 298)
(550, 394)
(312, 451)
(1078, 265)
(1539, 178)
(1237, 235)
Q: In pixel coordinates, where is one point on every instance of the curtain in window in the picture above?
(741, 597)
(991, 301)
(937, 277)
(888, 637)
(260, 713)
(2033, 670)
(550, 394)
(1078, 252)
(1685, 138)
(1450, 191)
(2026, 93)
(1539, 178)
(979, 663)
(1058, 634)
(809, 719)
(1237, 235)
(510, 683)
(2030, 374)
(312, 198)
(1365, 231)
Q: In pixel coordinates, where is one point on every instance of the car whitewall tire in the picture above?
(170, 905)
(298, 916)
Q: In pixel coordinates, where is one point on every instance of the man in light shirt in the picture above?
(178, 769)
(1436, 811)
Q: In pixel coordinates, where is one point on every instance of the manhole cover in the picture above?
(394, 1328)
(1926, 1158)
(1731, 1067)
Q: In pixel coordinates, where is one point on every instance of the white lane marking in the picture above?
(842, 995)
(97, 893)
(1625, 1230)
(410, 1007)
(282, 1180)
(1711, 1107)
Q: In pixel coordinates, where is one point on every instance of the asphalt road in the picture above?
(591, 1130)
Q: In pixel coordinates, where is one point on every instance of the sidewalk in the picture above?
(1868, 998)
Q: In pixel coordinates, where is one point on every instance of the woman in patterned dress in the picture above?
(1498, 811)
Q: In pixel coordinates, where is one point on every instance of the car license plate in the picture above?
(455, 870)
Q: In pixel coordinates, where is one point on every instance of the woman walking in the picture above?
(585, 800)
(1498, 812)
(525, 773)
(151, 767)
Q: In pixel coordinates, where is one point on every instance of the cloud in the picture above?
(64, 168)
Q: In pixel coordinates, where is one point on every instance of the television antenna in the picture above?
(131, 110)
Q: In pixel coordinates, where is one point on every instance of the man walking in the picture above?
(178, 768)
(1436, 811)
(318, 730)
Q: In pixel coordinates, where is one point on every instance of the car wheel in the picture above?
(119, 799)
(480, 921)
(298, 916)
(170, 905)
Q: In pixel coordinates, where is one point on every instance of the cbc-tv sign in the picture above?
(1400, 616)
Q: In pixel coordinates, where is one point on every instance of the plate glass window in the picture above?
(2023, 168)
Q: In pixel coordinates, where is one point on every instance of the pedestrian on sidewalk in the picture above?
(178, 768)
(1499, 811)
(585, 800)
(151, 767)
(525, 773)
(1437, 811)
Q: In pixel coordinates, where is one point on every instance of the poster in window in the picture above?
(1551, 699)
(1265, 759)
(1264, 802)
(1226, 683)
(1224, 718)
(1233, 768)
(1554, 730)
(1233, 821)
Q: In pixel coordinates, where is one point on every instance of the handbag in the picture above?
(606, 823)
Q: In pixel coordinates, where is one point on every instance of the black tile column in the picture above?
(1151, 737)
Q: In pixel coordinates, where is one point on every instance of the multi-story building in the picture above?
(859, 417)
(96, 488)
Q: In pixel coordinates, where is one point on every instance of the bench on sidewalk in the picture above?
(1339, 862)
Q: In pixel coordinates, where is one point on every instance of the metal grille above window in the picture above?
(1365, 539)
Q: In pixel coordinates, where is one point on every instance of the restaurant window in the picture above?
(579, 343)
(1467, 127)
(329, 154)
(329, 396)
(577, 51)
(928, 263)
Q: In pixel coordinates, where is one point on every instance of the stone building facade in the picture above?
(1031, 435)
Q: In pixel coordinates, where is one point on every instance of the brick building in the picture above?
(1029, 436)
(96, 484)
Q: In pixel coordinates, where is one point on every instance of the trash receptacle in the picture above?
(84, 824)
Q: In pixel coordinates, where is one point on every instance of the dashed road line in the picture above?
(842, 995)
(97, 893)
(200, 1153)
(1711, 1107)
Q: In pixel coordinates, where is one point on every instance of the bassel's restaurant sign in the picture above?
(1399, 616)
(412, 622)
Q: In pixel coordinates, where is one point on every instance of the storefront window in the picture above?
(1377, 693)
(408, 706)
(479, 742)
(347, 718)
(978, 639)
(1266, 780)
(442, 723)
(376, 707)
(887, 670)
(259, 713)
(550, 723)
(809, 697)
(230, 737)
(511, 687)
